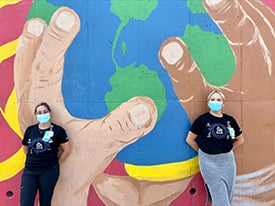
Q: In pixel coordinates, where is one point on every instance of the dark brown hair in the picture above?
(42, 104)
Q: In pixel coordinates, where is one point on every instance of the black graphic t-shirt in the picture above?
(213, 135)
(43, 146)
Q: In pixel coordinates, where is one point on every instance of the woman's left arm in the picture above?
(66, 150)
(238, 141)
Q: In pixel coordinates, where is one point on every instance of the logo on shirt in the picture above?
(38, 146)
(218, 131)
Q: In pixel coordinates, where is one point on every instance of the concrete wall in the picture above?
(126, 80)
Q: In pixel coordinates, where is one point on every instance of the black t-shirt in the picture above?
(213, 136)
(43, 146)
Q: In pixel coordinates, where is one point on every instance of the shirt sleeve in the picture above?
(236, 127)
(25, 137)
(196, 126)
(63, 137)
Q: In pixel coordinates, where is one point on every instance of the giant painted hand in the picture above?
(248, 27)
(38, 71)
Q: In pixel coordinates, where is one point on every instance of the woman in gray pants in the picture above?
(213, 135)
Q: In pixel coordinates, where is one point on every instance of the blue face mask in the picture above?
(215, 106)
(43, 118)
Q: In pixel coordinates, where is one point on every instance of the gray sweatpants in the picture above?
(219, 172)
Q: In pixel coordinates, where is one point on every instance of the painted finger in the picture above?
(47, 68)
(62, 29)
(162, 192)
(186, 77)
(120, 185)
(145, 193)
(30, 41)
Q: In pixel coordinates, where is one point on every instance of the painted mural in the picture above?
(126, 79)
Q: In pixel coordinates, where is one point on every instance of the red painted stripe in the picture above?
(6, 80)
(195, 194)
(270, 3)
(10, 142)
(12, 19)
(116, 168)
(12, 185)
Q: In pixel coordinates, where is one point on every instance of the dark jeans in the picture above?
(42, 181)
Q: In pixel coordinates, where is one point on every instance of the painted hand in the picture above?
(248, 27)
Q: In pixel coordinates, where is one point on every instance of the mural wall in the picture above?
(126, 79)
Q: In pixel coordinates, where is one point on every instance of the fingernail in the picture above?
(140, 115)
(65, 21)
(212, 3)
(172, 52)
(35, 27)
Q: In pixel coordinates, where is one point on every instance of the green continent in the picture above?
(130, 82)
(42, 9)
(212, 54)
(139, 10)
(196, 7)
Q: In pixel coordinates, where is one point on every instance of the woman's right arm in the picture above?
(190, 139)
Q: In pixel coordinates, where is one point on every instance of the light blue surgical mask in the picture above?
(43, 118)
(215, 106)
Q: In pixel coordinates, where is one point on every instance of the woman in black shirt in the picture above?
(41, 144)
(213, 135)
